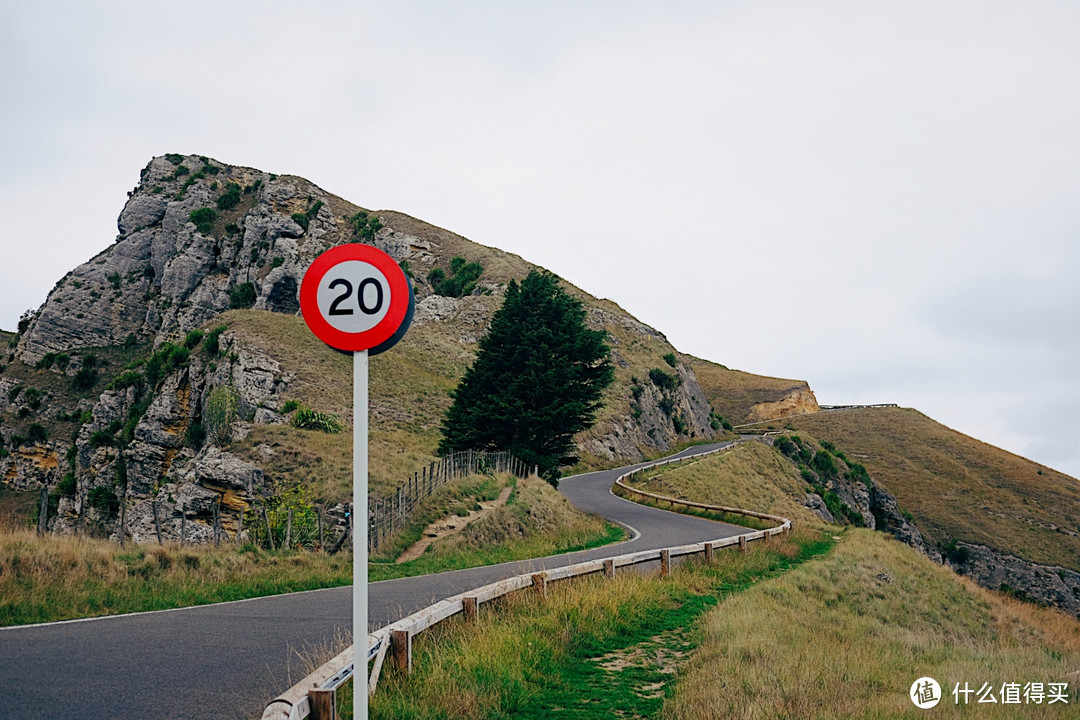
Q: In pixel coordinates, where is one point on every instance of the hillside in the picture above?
(164, 373)
(742, 397)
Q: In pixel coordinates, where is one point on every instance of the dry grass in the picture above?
(845, 636)
(584, 651)
(750, 476)
(958, 487)
(62, 577)
(733, 392)
(535, 522)
(409, 391)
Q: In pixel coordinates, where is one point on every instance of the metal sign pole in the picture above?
(360, 533)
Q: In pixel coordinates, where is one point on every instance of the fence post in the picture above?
(471, 608)
(609, 568)
(539, 584)
(709, 552)
(742, 544)
(323, 703)
(665, 563)
(157, 521)
(43, 512)
(269, 532)
(401, 647)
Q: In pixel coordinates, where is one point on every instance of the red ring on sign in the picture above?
(395, 313)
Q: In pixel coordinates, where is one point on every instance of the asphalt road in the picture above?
(228, 660)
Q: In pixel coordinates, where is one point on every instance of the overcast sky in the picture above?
(882, 198)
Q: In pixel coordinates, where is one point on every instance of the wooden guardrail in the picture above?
(314, 695)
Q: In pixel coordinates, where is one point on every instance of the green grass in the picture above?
(540, 658)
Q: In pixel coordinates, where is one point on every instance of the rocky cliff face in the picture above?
(1049, 585)
(797, 401)
(196, 238)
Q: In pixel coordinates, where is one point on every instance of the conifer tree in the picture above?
(537, 380)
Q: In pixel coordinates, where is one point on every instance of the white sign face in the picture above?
(353, 296)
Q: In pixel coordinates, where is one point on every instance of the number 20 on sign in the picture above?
(355, 298)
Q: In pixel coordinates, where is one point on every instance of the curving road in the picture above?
(228, 660)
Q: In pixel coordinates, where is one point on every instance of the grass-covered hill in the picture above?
(957, 487)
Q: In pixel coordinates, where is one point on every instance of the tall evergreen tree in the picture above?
(537, 379)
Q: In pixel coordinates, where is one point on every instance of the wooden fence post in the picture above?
(269, 533)
(43, 511)
(609, 568)
(539, 584)
(217, 524)
(288, 529)
(323, 703)
(401, 647)
(157, 521)
(471, 608)
(742, 544)
(709, 550)
(665, 563)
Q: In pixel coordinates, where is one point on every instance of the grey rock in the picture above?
(1052, 585)
(142, 211)
(813, 502)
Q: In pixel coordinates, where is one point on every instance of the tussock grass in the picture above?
(535, 522)
(956, 486)
(846, 635)
(63, 577)
(750, 475)
(538, 658)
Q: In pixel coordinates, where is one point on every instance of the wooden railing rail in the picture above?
(310, 696)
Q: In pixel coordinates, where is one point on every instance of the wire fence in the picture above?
(388, 515)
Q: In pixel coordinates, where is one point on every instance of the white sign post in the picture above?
(355, 298)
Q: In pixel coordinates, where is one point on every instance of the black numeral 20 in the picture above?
(364, 307)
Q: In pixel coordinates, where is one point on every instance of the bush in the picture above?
(37, 433)
(670, 359)
(33, 397)
(277, 262)
(195, 436)
(230, 198)
(288, 406)
(126, 379)
(222, 406)
(204, 219)
(242, 296)
(308, 419)
(212, 346)
(301, 219)
(193, 339)
(85, 379)
(663, 380)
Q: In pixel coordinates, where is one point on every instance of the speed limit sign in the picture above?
(355, 297)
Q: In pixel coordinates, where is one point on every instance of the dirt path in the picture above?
(449, 525)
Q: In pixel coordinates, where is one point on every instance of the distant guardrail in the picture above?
(315, 695)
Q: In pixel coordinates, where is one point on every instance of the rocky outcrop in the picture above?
(798, 401)
(198, 237)
(1046, 584)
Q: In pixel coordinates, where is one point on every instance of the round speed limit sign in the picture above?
(355, 297)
